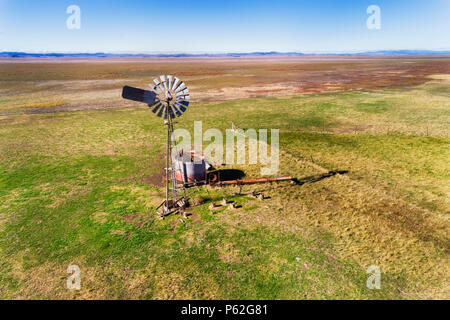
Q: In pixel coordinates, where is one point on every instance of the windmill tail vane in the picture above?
(168, 97)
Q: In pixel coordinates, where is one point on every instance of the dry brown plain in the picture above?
(70, 83)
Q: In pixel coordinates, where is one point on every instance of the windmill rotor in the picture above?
(168, 96)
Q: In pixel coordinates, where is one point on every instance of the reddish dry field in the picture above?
(76, 81)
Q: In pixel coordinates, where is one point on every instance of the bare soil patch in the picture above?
(209, 79)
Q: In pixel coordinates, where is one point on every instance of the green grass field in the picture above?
(74, 189)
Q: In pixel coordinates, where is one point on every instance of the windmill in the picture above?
(168, 98)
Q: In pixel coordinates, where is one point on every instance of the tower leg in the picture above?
(167, 158)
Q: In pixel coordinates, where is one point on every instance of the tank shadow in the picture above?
(227, 175)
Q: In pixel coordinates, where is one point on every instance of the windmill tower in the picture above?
(168, 98)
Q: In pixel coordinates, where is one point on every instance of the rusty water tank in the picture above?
(190, 167)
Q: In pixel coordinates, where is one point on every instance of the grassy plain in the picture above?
(80, 179)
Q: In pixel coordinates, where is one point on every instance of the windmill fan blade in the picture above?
(158, 84)
(139, 95)
(166, 112)
(172, 115)
(169, 82)
(163, 81)
(175, 83)
(156, 107)
(183, 92)
(185, 97)
(180, 87)
(182, 108)
(155, 88)
(182, 99)
(184, 103)
(161, 112)
(177, 111)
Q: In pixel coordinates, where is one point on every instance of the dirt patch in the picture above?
(229, 254)
(157, 178)
(138, 219)
(117, 232)
(4, 120)
(170, 286)
(173, 225)
(100, 217)
(196, 218)
(198, 73)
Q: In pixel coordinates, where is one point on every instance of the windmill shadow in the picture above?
(318, 177)
(309, 179)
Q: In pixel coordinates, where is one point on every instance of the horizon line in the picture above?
(218, 54)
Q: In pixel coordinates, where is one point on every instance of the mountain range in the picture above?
(12, 54)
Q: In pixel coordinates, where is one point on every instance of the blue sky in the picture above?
(223, 26)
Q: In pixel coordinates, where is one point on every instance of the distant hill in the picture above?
(7, 54)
